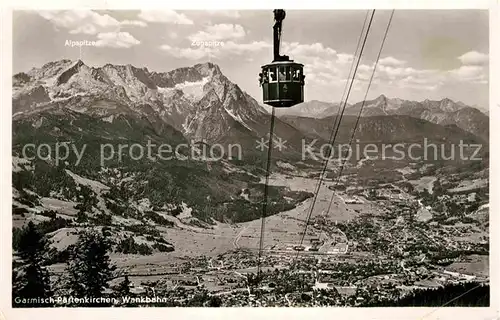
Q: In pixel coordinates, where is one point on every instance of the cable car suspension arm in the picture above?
(279, 16)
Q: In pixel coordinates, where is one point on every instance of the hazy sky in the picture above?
(427, 55)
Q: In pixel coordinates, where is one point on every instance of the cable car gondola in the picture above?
(282, 80)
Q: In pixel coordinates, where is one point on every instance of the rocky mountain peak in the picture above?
(445, 111)
(66, 75)
(208, 69)
(199, 92)
(449, 105)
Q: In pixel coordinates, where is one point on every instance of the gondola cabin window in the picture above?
(296, 75)
(282, 80)
(286, 84)
(272, 75)
(281, 76)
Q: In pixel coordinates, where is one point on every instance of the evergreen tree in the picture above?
(33, 280)
(86, 204)
(90, 268)
(214, 302)
(16, 282)
(123, 289)
(81, 216)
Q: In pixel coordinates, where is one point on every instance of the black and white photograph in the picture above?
(250, 158)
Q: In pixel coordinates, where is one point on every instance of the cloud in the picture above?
(85, 29)
(393, 72)
(307, 50)
(345, 58)
(391, 61)
(219, 32)
(428, 79)
(164, 16)
(418, 79)
(326, 66)
(136, 23)
(470, 74)
(80, 21)
(319, 61)
(473, 70)
(104, 26)
(231, 47)
(116, 40)
(224, 51)
(408, 77)
(474, 58)
(186, 53)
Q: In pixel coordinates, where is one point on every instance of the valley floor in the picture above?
(220, 258)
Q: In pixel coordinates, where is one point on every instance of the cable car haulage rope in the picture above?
(282, 83)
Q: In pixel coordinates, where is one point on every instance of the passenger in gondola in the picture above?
(281, 76)
(272, 75)
(263, 78)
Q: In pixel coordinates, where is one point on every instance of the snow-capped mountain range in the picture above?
(199, 101)
(190, 99)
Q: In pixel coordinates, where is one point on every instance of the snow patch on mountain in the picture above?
(199, 101)
(237, 117)
(193, 90)
(50, 82)
(185, 127)
(166, 91)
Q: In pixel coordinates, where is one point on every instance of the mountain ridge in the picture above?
(200, 101)
(174, 95)
(109, 105)
(444, 112)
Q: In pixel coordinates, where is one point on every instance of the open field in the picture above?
(424, 183)
(63, 207)
(474, 265)
(281, 230)
(467, 185)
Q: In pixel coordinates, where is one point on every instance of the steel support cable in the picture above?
(266, 191)
(281, 34)
(318, 187)
(268, 170)
(355, 57)
(454, 299)
(361, 109)
(349, 80)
